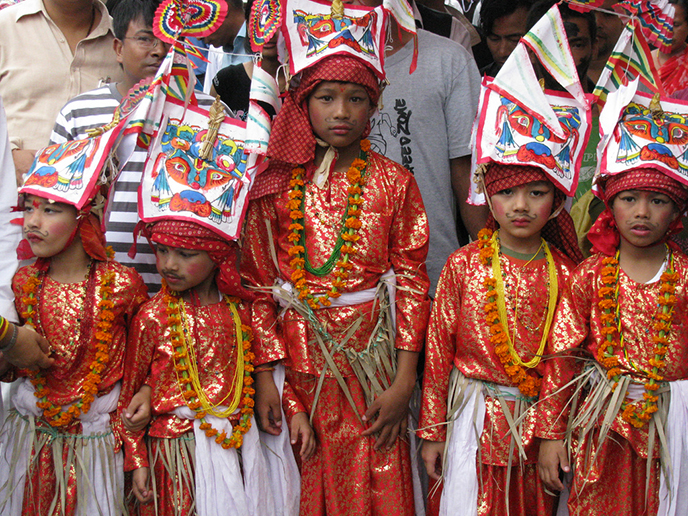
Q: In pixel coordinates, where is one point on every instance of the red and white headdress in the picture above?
(197, 170)
(520, 124)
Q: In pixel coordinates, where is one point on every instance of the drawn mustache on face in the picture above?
(42, 234)
(513, 216)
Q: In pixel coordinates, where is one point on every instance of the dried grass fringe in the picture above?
(461, 389)
(604, 404)
(78, 458)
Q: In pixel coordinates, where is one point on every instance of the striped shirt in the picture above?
(94, 109)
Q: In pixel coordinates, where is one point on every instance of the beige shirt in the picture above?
(39, 73)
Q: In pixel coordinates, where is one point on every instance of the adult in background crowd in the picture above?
(503, 23)
(50, 51)
(227, 45)
(609, 28)
(425, 124)
(673, 67)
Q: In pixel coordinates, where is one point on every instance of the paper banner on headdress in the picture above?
(645, 137)
(548, 40)
(264, 22)
(188, 18)
(510, 133)
(264, 89)
(630, 58)
(402, 12)
(179, 183)
(311, 33)
(69, 172)
(656, 20)
(517, 81)
(173, 81)
(584, 5)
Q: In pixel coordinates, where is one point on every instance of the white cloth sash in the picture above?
(460, 492)
(270, 482)
(284, 473)
(99, 471)
(389, 278)
(673, 491)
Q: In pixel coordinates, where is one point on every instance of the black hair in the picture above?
(236, 4)
(540, 8)
(491, 10)
(127, 11)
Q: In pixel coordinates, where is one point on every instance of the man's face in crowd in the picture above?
(581, 43)
(140, 53)
(506, 31)
(609, 29)
(229, 29)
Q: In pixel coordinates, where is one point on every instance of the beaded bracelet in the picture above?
(13, 340)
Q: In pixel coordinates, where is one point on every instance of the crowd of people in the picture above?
(411, 321)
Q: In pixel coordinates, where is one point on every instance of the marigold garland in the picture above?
(609, 295)
(54, 414)
(515, 369)
(349, 231)
(185, 368)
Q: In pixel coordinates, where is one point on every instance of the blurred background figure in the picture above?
(503, 23)
(673, 67)
(609, 27)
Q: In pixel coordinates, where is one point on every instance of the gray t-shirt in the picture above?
(426, 120)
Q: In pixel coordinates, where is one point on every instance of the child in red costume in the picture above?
(343, 222)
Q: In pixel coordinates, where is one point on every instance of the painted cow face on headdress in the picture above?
(182, 145)
(321, 31)
(648, 137)
(536, 140)
(62, 165)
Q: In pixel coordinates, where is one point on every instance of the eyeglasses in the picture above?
(148, 42)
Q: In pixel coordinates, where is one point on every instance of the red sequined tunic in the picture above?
(211, 331)
(394, 234)
(617, 482)
(458, 336)
(60, 312)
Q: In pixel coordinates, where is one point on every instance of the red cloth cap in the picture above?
(189, 235)
(559, 231)
(604, 234)
(292, 139)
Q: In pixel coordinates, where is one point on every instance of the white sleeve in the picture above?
(10, 234)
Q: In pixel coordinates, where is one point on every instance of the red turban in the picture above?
(558, 231)
(190, 235)
(604, 234)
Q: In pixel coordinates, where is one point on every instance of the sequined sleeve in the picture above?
(258, 269)
(569, 331)
(440, 350)
(290, 402)
(409, 238)
(140, 347)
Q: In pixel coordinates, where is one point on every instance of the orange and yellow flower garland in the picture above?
(527, 384)
(349, 232)
(54, 414)
(609, 293)
(185, 375)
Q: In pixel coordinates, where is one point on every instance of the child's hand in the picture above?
(391, 408)
(138, 414)
(552, 457)
(268, 406)
(301, 428)
(140, 487)
(31, 350)
(432, 452)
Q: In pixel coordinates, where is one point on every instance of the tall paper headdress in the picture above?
(639, 130)
(316, 29)
(74, 171)
(197, 170)
(520, 124)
